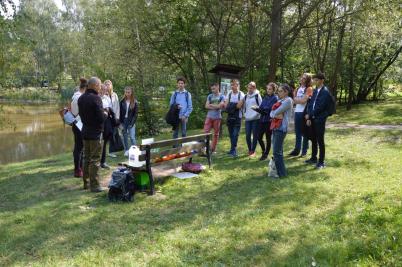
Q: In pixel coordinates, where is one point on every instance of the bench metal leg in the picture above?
(208, 151)
(149, 171)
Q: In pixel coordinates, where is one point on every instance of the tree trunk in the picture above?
(389, 63)
(276, 15)
(338, 60)
(352, 68)
(324, 55)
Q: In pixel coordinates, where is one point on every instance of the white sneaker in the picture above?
(126, 153)
(112, 155)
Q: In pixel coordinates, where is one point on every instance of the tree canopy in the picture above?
(146, 43)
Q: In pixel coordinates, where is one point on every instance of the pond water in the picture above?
(32, 132)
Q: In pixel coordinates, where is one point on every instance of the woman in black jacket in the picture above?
(128, 117)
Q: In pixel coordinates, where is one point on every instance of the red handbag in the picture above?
(192, 167)
(275, 123)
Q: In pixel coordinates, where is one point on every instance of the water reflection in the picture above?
(38, 133)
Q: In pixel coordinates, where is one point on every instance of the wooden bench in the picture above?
(162, 151)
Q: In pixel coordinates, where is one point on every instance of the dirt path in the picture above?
(364, 126)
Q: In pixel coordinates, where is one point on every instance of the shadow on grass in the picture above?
(55, 218)
(395, 111)
(46, 219)
(391, 137)
(332, 238)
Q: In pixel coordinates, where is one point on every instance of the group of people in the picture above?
(267, 116)
(103, 115)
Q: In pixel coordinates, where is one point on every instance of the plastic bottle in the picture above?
(133, 157)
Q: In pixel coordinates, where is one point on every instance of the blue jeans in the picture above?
(234, 131)
(128, 132)
(277, 144)
(183, 126)
(299, 120)
(252, 129)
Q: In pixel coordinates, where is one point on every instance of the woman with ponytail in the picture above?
(78, 144)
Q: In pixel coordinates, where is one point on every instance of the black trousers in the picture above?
(263, 129)
(317, 139)
(78, 148)
(107, 135)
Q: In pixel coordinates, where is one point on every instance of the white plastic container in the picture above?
(134, 154)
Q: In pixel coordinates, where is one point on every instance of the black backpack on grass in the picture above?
(122, 186)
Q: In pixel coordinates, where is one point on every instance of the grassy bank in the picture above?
(387, 111)
(348, 214)
(29, 94)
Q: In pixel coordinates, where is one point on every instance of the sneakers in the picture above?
(105, 166)
(303, 155)
(126, 153)
(276, 176)
(112, 155)
(78, 173)
(311, 161)
(251, 154)
(263, 157)
(293, 153)
(320, 165)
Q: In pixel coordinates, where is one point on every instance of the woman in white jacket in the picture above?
(115, 107)
(251, 101)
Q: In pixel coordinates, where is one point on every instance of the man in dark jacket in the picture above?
(317, 113)
(92, 116)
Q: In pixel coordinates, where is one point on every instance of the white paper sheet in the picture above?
(184, 175)
(78, 123)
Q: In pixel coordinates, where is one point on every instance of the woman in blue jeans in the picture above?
(279, 133)
(128, 117)
(302, 95)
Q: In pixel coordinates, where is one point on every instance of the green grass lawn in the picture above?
(348, 214)
(382, 112)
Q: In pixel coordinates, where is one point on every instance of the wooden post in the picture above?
(220, 126)
(149, 170)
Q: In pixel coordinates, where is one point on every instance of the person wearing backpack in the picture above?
(302, 95)
(182, 98)
(319, 108)
(214, 104)
(233, 104)
(78, 144)
(252, 100)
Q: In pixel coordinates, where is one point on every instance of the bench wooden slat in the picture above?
(186, 148)
(127, 164)
(162, 162)
(178, 141)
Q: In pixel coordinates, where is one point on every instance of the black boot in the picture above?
(294, 153)
(264, 156)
